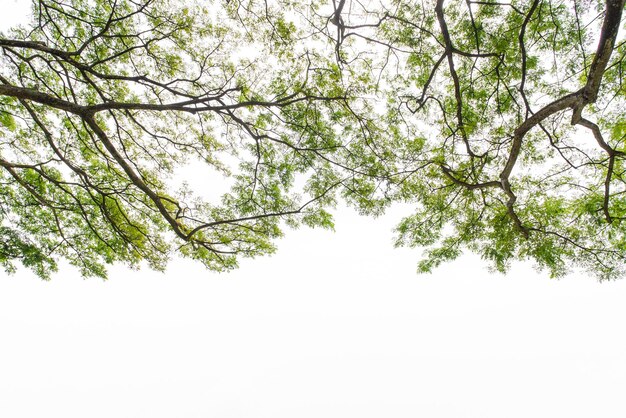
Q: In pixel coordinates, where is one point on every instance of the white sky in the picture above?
(333, 325)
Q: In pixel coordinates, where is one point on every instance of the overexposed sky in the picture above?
(334, 325)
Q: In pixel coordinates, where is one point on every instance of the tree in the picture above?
(501, 122)
(101, 102)
(507, 122)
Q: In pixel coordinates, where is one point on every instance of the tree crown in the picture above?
(502, 123)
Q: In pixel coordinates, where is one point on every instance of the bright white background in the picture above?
(333, 325)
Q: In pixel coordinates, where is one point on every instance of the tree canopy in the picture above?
(501, 123)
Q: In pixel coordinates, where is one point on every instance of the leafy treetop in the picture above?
(502, 123)
(101, 102)
(507, 125)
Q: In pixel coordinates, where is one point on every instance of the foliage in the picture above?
(502, 123)
(508, 126)
(103, 102)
